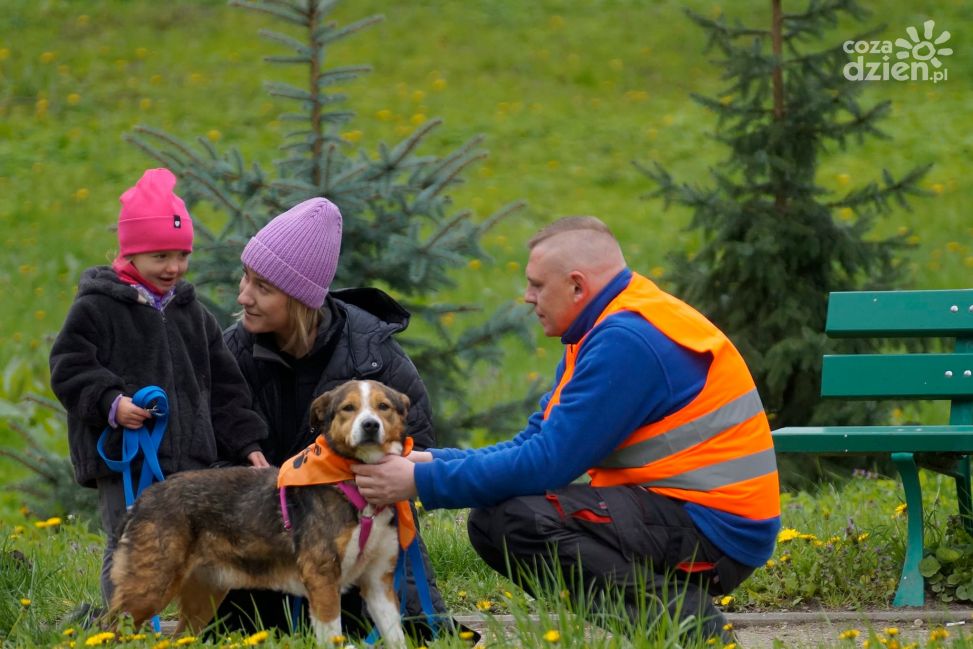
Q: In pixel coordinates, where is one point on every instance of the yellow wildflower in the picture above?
(214, 135)
(418, 118)
(352, 136)
(385, 114)
(892, 631)
(474, 264)
(99, 638)
(726, 600)
(728, 626)
(484, 605)
(48, 57)
(849, 634)
(770, 563)
(787, 534)
(189, 639)
(938, 634)
(843, 179)
(165, 644)
(67, 633)
(513, 266)
(24, 602)
(552, 635)
(438, 84)
(465, 635)
(256, 638)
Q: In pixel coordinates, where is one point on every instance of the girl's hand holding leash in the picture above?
(129, 415)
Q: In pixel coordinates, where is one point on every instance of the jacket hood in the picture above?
(103, 280)
(377, 303)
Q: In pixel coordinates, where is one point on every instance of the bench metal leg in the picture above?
(962, 476)
(910, 591)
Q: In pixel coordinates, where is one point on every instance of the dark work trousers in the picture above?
(609, 540)
(242, 608)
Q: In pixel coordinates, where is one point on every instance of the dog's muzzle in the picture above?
(370, 431)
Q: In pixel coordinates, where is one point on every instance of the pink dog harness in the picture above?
(350, 490)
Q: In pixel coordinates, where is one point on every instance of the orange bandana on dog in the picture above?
(318, 464)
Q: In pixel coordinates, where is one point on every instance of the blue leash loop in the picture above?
(154, 399)
(411, 556)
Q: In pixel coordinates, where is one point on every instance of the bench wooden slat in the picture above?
(900, 313)
(873, 439)
(925, 376)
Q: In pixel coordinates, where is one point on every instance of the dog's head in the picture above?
(363, 420)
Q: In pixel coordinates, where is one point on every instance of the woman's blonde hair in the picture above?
(303, 323)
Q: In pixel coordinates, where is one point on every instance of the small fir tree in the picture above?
(775, 243)
(401, 231)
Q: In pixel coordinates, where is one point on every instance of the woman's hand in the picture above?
(257, 460)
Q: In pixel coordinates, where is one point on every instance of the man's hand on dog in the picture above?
(390, 480)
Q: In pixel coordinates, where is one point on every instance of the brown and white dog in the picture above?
(199, 534)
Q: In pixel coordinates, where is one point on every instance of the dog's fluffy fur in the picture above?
(201, 533)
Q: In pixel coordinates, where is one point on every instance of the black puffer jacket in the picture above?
(354, 341)
(112, 343)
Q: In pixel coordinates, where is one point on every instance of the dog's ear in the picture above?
(400, 402)
(322, 411)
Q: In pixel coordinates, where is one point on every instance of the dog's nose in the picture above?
(370, 430)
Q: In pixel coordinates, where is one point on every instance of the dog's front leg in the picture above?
(324, 604)
(383, 606)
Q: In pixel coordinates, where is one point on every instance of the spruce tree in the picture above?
(401, 231)
(775, 242)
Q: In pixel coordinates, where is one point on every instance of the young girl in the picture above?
(138, 323)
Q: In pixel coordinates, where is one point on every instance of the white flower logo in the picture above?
(924, 49)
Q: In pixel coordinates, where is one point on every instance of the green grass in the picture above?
(567, 94)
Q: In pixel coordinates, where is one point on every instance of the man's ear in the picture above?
(579, 285)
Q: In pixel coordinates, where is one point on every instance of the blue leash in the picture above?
(411, 556)
(152, 398)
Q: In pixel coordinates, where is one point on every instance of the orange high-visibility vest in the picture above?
(715, 451)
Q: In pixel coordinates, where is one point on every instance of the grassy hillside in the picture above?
(567, 93)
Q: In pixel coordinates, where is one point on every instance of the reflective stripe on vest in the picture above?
(682, 437)
(715, 451)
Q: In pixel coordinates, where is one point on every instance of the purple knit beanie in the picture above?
(298, 250)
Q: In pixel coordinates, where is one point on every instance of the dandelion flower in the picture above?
(474, 264)
(53, 521)
(465, 635)
(256, 638)
(849, 634)
(892, 631)
(726, 600)
(439, 84)
(787, 534)
(728, 626)
(48, 57)
(938, 634)
(189, 639)
(352, 136)
(24, 602)
(418, 118)
(99, 639)
(337, 639)
(552, 635)
(73, 99)
(68, 632)
(484, 605)
(213, 135)
(513, 266)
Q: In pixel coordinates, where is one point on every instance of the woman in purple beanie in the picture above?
(297, 339)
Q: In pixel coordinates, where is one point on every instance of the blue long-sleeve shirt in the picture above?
(627, 374)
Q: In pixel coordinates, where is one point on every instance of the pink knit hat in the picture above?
(152, 216)
(298, 250)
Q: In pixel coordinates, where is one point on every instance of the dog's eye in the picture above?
(348, 407)
(384, 406)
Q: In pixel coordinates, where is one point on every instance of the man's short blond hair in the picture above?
(570, 224)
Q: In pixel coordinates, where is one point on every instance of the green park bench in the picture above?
(940, 376)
